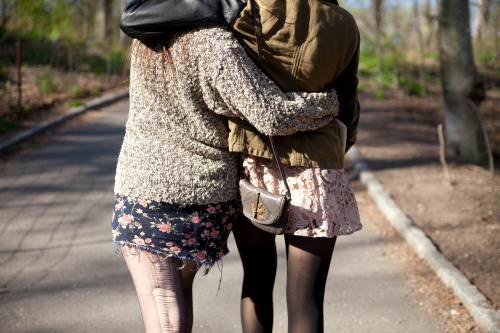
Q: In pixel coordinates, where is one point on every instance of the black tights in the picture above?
(308, 261)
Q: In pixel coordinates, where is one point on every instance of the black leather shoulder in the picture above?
(144, 18)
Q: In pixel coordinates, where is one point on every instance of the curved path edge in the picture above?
(94, 104)
(475, 302)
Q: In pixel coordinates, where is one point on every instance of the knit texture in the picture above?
(175, 148)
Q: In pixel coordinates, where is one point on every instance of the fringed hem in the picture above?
(160, 256)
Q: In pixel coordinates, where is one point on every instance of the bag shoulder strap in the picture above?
(280, 166)
(258, 35)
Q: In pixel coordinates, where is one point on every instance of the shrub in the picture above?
(6, 124)
(415, 88)
(75, 103)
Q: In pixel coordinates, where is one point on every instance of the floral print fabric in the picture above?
(197, 232)
(323, 202)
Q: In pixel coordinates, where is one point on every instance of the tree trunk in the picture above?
(377, 11)
(85, 21)
(496, 34)
(70, 57)
(427, 28)
(19, 81)
(4, 12)
(420, 41)
(482, 13)
(101, 18)
(462, 89)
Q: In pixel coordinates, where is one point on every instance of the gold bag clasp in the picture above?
(256, 208)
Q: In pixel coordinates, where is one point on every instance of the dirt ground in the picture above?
(398, 140)
(429, 293)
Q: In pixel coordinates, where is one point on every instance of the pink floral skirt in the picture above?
(323, 202)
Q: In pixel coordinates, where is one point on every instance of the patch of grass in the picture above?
(75, 103)
(7, 124)
(498, 196)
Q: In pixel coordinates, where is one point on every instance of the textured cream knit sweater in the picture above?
(175, 146)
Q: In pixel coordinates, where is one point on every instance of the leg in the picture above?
(188, 273)
(308, 261)
(258, 255)
(159, 289)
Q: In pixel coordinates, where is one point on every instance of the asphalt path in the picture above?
(59, 272)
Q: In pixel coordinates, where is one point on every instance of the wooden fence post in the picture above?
(19, 78)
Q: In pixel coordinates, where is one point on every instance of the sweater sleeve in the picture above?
(243, 90)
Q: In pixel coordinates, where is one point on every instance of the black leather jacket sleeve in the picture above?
(143, 18)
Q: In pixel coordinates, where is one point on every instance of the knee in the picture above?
(171, 310)
(159, 294)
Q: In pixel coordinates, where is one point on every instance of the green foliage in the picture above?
(411, 85)
(75, 103)
(388, 78)
(44, 82)
(487, 58)
(7, 124)
(94, 64)
(368, 62)
(118, 59)
(33, 51)
(97, 63)
(396, 71)
(415, 88)
(59, 32)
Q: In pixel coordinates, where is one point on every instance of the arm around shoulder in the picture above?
(244, 91)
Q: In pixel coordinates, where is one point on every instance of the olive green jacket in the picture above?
(307, 46)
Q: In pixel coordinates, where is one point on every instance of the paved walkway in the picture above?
(58, 272)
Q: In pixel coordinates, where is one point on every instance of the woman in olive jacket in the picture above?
(307, 45)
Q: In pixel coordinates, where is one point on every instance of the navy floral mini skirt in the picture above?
(196, 232)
